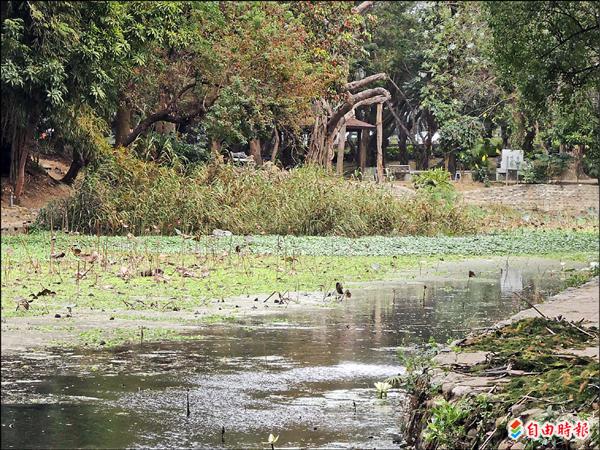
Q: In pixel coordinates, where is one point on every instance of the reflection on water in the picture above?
(308, 379)
(511, 280)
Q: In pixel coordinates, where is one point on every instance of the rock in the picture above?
(461, 391)
(447, 388)
(518, 446)
(535, 413)
(221, 233)
(461, 359)
(456, 343)
(500, 422)
(504, 445)
(397, 438)
(472, 433)
(517, 410)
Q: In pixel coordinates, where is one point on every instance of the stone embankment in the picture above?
(459, 374)
(567, 198)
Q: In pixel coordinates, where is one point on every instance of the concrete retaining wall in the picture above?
(571, 198)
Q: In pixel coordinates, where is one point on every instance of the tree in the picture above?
(559, 44)
(61, 58)
(461, 89)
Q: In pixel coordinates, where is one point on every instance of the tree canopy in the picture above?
(265, 73)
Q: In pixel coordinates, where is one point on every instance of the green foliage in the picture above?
(143, 195)
(556, 42)
(521, 242)
(544, 167)
(446, 426)
(591, 163)
(460, 88)
(170, 150)
(433, 179)
(558, 93)
(437, 185)
(416, 363)
(579, 278)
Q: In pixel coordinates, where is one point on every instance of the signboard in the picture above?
(511, 160)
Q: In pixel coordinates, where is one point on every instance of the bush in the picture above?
(126, 194)
(433, 179)
(543, 167)
(168, 150)
(482, 174)
(591, 162)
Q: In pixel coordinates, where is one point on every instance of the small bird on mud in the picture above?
(340, 290)
(471, 274)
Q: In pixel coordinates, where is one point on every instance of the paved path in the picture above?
(574, 304)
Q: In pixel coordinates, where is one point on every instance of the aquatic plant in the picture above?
(382, 388)
(272, 440)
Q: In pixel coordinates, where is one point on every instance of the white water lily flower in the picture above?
(383, 387)
(273, 439)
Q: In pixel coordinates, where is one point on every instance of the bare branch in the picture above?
(353, 85)
(400, 123)
(350, 103)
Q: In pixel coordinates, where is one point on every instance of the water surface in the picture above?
(307, 377)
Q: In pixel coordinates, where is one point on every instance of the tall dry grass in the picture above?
(125, 194)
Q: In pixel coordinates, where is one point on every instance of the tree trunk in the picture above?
(255, 151)
(317, 151)
(450, 162)
(76, 165)
(427, 150)
(504, 134)
(329, 122)
(215, 151)
(122, 124)
(528, 140)
(340, 151)
(403, 150)
(362, 149)
(20, 147)
(275, 148)
(379, 142)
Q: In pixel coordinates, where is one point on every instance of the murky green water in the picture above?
(306, 377)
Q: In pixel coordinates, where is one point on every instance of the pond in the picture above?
(307, 377)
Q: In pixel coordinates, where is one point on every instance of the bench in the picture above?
(240, 157)
(398, 170)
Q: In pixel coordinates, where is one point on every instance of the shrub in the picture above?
(433, 179)
(544, 167)
(126, 194)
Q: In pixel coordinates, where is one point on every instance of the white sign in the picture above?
(511, 160)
